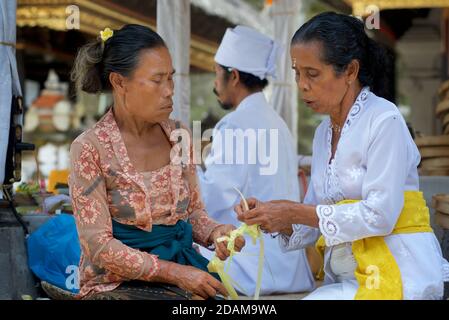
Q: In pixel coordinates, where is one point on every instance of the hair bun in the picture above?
(86, 71)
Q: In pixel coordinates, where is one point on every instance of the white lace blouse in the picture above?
(375, 161)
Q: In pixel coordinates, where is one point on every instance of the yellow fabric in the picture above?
(377, 272)
(55, 177)
(218, 266)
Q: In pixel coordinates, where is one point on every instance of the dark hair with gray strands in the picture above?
(344, 39)
(120, 54)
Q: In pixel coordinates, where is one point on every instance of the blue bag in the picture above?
(54, 253)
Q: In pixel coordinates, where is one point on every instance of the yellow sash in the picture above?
(377, 272)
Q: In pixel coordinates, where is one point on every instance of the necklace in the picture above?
(336, 128)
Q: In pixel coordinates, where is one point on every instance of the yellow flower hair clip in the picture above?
(106, 34)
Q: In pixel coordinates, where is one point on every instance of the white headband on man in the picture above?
(247, 50)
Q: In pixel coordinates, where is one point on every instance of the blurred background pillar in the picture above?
(287, 16)
(173, 25)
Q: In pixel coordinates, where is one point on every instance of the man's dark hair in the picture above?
(250, 81)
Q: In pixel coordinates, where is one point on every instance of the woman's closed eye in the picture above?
(157, 80)
(160, 79)
(309, 75)
(312, 74)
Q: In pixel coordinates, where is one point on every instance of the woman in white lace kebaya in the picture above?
(364, 194)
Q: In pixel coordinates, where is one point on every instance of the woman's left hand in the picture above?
(271, 216)
(221, 249)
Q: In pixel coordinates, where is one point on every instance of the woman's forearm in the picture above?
(166, 272)
(297, 213)
(303, 214)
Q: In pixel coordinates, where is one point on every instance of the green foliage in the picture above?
(27, 188)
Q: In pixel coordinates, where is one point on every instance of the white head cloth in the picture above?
(247, 50)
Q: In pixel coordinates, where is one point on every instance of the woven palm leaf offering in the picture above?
(222, 267)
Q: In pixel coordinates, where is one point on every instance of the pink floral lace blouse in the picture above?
(159, 184)
(104, 185)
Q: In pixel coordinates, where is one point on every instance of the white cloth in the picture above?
(286, 15)
(376, 161)
(247, 50)
(9, 80)
(236, 12)
(342, 264)
(282, 272)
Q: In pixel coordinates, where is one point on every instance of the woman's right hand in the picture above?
(191, 279)
(271, 216)
(277, 215)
